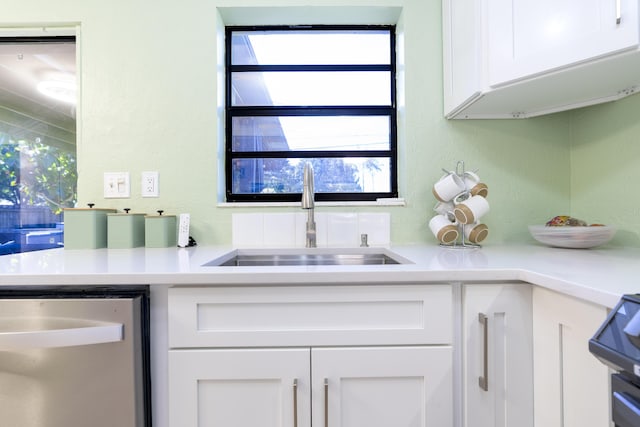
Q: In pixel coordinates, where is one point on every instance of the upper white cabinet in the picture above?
(528, 38)
(518, 58)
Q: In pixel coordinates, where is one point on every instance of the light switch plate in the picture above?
(117, 185)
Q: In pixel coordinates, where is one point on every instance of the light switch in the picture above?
(117, 185)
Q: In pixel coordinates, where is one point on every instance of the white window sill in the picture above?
(378, 203)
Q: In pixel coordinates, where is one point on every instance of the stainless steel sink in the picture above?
(276, 257)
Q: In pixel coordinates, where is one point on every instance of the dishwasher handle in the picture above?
(36, 333)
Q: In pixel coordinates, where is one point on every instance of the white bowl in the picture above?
(572, 237)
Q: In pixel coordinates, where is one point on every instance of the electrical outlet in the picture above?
(150, 184)
(116, 185)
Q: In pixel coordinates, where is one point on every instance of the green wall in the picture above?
(605, 166)
(150, 79)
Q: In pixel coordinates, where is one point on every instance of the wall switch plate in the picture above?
(117, 185)
(150, 184)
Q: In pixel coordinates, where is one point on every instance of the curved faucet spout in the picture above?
(308, 203)
(307, 187)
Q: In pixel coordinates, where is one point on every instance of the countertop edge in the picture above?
(597, 276)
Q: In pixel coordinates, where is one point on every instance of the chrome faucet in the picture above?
(308, 204)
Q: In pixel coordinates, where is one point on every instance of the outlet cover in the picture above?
(149, 185)
(117, 185)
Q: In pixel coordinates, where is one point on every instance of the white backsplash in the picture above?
(287, 230)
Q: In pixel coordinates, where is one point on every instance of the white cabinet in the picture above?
(348, 387)
(528, 38)
(497, 355)
(517, 58)
(382, 387)
(248, 387)
(273, 356)
(571, 385)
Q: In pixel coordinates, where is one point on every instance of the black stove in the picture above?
(617, 344)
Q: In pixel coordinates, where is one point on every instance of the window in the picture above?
(37, 140)
(319, 94)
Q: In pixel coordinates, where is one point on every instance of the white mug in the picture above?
(476, 233)
(471, 210)
(474, 186)
(446, 209)
(444, 230)
(448, 187)
(470, 179)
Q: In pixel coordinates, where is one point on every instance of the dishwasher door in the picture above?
(74, 357)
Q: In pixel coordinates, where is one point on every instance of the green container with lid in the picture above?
(125, 230)
(85, 228)
(160, 231)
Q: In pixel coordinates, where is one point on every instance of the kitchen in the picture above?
(578, 162)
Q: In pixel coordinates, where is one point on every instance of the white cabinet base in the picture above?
(383, 387)
(571, 385)
(349, 387)
(248, 387)
(497, 350)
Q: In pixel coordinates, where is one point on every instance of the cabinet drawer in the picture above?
(309, 315)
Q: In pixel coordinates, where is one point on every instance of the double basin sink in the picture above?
(302, 257)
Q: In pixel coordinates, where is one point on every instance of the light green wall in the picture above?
(605, 166)
(149, 74)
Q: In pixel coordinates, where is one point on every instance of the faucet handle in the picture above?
(364, 240)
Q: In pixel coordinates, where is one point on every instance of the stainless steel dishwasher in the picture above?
(74, 356)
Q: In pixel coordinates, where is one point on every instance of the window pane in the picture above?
(311, 133)
(335, 175)
(311, 88)
(310, 91)
(310, 47)
(38, 172)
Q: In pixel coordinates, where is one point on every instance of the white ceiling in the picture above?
(22, 107)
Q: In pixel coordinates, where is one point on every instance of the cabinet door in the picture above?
(571, 385)
(240, 388)
(382, 387)
(497, 355)
(461, 53)
(532, 37)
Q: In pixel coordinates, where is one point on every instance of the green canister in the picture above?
(85, 228)
(160, 230)
(125, 230)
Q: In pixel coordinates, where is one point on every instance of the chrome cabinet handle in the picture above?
(295, 402)
(326, 402)
(618, 13)
(483, 381)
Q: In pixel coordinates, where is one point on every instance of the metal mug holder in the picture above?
(460, 242)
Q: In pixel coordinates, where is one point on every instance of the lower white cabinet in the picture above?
(571, 385)
(497, 355)
(239, 387)
(382, 387)
(382, 356)
(341, 387)
(322, 356)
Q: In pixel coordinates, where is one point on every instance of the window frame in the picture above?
(232, 112)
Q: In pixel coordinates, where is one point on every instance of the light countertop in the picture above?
(597, 275)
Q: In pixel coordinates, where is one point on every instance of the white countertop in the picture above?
(597, 275)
